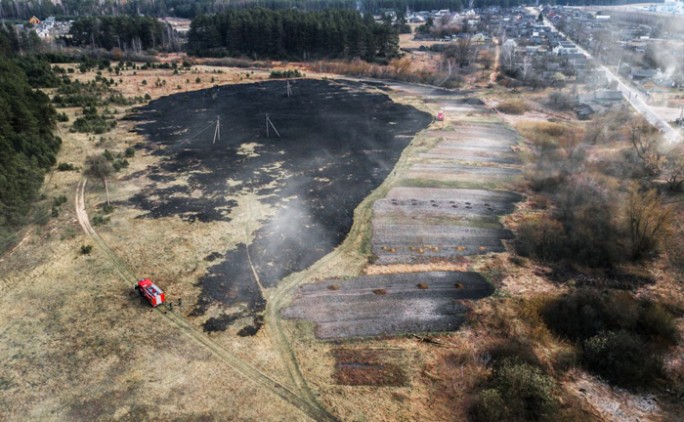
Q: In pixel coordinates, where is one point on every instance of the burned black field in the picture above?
(337, 143)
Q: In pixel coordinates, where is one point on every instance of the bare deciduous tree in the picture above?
(645, 143)
(508, 55)
(648, 220)
(98, 166)
(464, 52)
(674, 172)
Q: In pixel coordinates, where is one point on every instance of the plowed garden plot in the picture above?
(460, 176)
(418, 225)
(388, 304)
(337, 143)
(473, 164)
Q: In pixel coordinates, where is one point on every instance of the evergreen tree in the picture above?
(292, 33)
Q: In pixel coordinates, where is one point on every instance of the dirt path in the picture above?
(306, 405)
(497, 62)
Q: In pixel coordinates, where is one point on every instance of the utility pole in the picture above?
(270, 123)
(217, 132)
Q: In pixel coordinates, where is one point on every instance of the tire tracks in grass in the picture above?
(306, 405)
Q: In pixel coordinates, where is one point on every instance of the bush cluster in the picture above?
(621, 338)
(517, 391)
(512, 106)
(66, 167)
(284, 74)
(93, 122)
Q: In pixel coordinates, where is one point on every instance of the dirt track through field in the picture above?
(308, 407)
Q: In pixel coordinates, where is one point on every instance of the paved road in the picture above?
(631, 95)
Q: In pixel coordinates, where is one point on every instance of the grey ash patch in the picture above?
(353, 309)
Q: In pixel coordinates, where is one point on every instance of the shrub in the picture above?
(66, 167)
(86, 249)
(577, 316)
(561, 101)
(621, 339)
(621, 358)
(513, 349)
(542, 238)
(518, 392)
(289, 73)
(585, 313)
(587, 209)
(489, 406)
(548, 135)
(99, 220)
(656, 322)
(59, 200)
(119, 164)
(93, 123)
(130, 152)
(512, 106)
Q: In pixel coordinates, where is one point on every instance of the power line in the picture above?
(269, 122)
(217, 132)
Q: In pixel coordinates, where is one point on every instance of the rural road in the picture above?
(630, 94)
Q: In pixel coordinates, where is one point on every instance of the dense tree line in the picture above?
(125, 32)
(27, 145)
(292, 33)
(24, 9)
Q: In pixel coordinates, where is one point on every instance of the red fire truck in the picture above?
(150, 291)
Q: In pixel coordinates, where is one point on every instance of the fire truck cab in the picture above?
(150, 291)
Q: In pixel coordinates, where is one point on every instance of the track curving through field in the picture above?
(306, 405)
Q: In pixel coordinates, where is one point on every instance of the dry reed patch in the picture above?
(515, 318)
(512, 106)
(374, 367)
(452, 372)
(549, 135)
